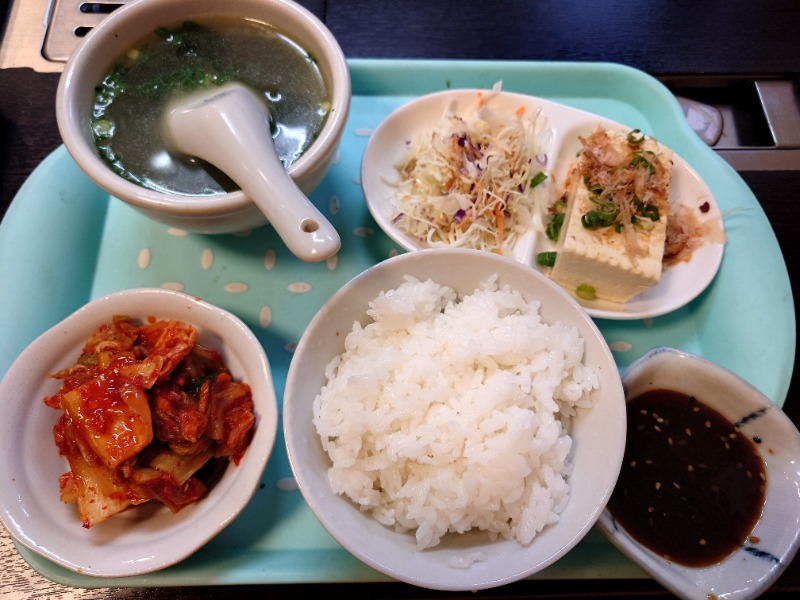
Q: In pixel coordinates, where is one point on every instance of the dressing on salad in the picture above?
(473, 181)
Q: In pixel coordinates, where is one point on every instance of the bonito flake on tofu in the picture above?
(611, 223)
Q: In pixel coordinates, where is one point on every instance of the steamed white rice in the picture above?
(446, 414)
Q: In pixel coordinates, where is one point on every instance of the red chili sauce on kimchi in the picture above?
(146, 413)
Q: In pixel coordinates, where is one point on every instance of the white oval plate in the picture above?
(679, 284)
(774, 540)
(146, 538)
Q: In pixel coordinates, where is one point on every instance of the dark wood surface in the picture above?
(681, 37)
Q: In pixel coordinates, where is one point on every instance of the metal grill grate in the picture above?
(42, 34)
(70, 21)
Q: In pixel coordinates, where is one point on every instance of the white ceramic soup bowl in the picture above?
(469, 561)
(222, 213)
(145, 538)
(773, 542)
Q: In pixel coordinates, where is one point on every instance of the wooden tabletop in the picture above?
(681, 37)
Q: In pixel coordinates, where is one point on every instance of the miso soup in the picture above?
(127, 120)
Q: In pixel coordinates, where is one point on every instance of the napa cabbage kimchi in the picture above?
(143, 410)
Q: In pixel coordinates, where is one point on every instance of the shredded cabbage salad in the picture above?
(474, 181)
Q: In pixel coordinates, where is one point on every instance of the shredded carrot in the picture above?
(455, 173)
(498, 217)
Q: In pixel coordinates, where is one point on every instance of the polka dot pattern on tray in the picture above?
(254, 276)
(252, 273)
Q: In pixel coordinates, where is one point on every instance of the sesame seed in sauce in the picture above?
(687, 447)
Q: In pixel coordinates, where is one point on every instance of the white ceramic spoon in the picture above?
(229, 128)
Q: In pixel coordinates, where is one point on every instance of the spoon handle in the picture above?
(229, 128)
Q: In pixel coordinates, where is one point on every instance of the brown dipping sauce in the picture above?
(691, 486)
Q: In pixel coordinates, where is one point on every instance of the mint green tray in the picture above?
(64, 242)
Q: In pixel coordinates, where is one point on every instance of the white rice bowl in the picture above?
(454, 443)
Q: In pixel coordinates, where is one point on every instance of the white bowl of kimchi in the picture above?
(140, 427)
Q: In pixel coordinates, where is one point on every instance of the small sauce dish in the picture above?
(764, 550)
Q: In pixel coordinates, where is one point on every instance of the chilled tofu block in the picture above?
(600, 259)
(611, 241)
